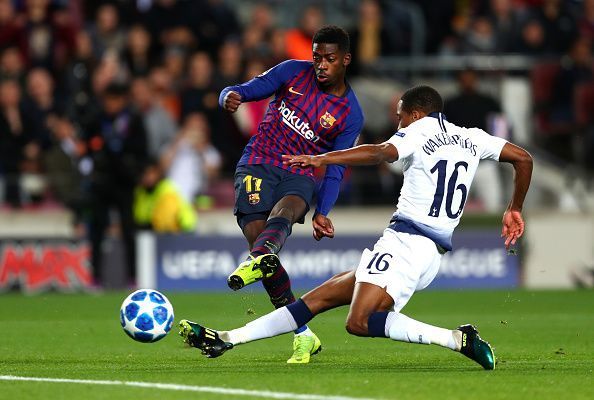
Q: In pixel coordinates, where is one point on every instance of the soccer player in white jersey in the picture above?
(440, 160)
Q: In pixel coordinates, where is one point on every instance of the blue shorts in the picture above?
(259, 187)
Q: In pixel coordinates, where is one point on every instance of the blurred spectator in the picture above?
(369, 36)
(472, 109)
(158, 205)
(506, 22)
(174, 63)
(11, 25)
(586, 21)
(254, 43)
(19, 149)
(201, 93)
(216, 23)
(12, 66)
(480, 38)
(164, 93)
(531, 41)
(461, 18)
(106, 33)
(437, 14)
(80, 101)
(117, 146)
(262, 18)
(192, 162)
(278, 48)
(138, 55)
(170, 22)
(66, 167)
(576, 67)
(298, 40)
(257, 35)
(180, 37)
(229, 66)
(46, 42)
(560, 28)
(405, 22)
(42, 103)
(160, 127)
(160, 15)
(110, 69)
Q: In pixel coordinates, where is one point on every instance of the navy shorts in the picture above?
(259, 187)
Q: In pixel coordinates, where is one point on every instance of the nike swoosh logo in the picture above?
(294, 91)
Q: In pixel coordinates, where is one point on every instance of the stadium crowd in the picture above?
(91, 93)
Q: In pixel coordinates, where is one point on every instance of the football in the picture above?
(146, 315)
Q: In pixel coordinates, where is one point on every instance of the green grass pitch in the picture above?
(544, 341)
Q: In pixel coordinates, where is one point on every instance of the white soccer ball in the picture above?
(146, 315)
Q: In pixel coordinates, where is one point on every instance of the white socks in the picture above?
(398, 327)
(276, 323)
(405, 329)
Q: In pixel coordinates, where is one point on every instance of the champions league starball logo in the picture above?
(327, 120)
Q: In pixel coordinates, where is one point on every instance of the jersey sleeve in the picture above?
(330, 187)
(490, 146)
(267, 83)
(404, 143)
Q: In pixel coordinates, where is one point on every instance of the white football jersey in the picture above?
(439, 160)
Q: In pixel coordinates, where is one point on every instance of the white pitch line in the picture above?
(185, 388)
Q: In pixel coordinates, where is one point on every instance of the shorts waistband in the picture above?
(399, 225)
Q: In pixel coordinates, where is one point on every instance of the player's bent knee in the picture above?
(357, 327)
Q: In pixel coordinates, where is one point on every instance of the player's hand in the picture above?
(322, 227)
(232, 101)
(301, 161)
(513, 227)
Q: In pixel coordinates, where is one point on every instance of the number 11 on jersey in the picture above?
(251, 180)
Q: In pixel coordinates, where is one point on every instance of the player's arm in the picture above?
(261, 87)
(336, 160)
(330, 186)
(365, 154)
(521, 160)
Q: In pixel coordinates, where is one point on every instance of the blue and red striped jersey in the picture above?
(301, 119)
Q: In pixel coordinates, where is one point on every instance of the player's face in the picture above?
(330, 64)
(404, 118)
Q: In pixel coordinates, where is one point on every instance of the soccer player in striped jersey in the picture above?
(314, 110)
(440, 160)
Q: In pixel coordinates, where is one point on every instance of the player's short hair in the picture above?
(422, 98)
(335, 35)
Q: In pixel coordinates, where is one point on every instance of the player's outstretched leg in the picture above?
(335, 292)
(205, 339)
(397, 326)
(252, 270)
(476, 348)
